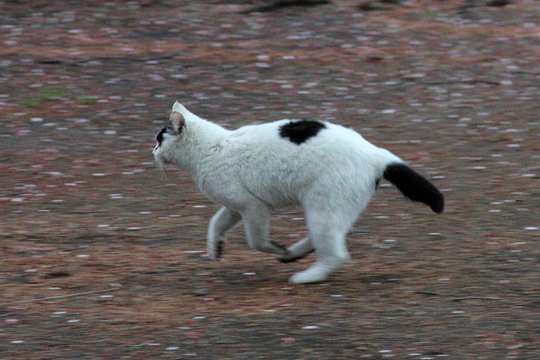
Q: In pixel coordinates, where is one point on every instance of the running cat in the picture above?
(329, 170)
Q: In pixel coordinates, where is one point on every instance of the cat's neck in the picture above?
(201, 144)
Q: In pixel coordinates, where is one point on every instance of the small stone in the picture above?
(287, 340)
(200, 292)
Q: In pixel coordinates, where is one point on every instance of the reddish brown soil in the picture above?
(100, 258)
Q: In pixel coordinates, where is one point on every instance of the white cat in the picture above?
(329, 170)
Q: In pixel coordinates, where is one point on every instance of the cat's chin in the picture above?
(159, 161)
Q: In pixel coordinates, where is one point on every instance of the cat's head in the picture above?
(170, 137)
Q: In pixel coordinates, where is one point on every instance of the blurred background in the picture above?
(101, 257)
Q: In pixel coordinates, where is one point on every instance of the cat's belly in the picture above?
(241, 193)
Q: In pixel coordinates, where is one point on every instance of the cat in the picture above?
(329, 170)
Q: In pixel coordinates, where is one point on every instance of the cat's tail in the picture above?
(413, 185)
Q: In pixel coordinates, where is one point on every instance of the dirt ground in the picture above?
(101, 258)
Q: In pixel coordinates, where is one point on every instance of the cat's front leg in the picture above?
(220, 223)
(257, 223)
(297, 251)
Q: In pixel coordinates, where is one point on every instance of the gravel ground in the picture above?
(102, 258)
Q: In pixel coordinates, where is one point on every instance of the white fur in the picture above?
(252, 170)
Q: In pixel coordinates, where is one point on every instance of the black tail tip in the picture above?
(414, 186)
(437, 205)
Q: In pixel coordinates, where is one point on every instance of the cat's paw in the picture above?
(285, 259)
(215, 251)
(279, 245)
(291, 257)
(307, 277)
(272, 247)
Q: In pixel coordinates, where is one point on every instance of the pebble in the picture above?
(200, 292)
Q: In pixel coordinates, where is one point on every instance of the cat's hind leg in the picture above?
(257, 223)
(331, 255)
(220, 223)
(327, 231)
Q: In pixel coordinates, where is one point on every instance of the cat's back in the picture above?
(299, 136)
(260, 133)
(281, 160)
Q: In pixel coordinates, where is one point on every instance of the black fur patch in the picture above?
(219, 250)
(414, 186)
(300, 131)
(159, 136)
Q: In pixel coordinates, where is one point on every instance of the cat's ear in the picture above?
(178, 121)
(177, 107)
